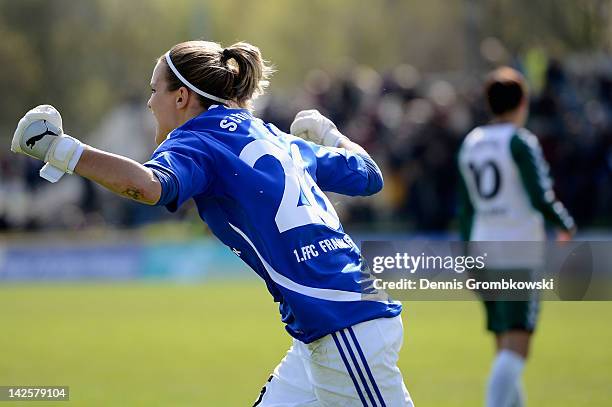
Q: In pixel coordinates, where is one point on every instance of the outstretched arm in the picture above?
(120, 175)
(173, 175)
(40, 135)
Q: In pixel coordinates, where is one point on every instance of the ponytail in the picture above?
(250, 73)
(237, 73)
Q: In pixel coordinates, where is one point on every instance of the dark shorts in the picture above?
(504, 316)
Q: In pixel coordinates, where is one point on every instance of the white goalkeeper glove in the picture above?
(39, 135)
(313, 126)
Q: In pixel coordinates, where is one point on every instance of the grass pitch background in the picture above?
(214, 344)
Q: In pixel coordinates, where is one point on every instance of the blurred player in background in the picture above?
(506, 195)
(260, 192)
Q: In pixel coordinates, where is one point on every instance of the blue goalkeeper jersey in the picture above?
(260, 192)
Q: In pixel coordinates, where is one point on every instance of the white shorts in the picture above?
(356, 366)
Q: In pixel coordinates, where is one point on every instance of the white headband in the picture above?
(190, 86)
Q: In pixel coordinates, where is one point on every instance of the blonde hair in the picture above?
(237, 73)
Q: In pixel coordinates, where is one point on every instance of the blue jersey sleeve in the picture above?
(345, 172)
(182, 163)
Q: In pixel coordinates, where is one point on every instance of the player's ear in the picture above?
(182, 98)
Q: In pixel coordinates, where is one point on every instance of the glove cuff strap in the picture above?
(75, 158)
(65, 153)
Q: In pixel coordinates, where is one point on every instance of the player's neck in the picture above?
(511, 118)
(189, 113)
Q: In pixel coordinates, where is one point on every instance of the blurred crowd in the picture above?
(412, 123)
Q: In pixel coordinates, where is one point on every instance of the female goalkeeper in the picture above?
(260, 192)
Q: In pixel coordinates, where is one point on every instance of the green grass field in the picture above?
(215, 344)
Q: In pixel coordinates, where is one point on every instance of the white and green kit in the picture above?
(507, 195)
(506, 188)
